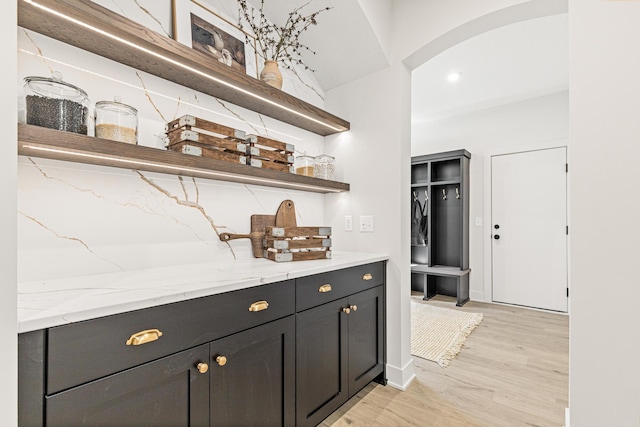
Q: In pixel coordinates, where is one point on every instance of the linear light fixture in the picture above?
(166, 167)
(181, 65)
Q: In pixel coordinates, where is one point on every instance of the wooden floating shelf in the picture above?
(36, 141)
(91, 27)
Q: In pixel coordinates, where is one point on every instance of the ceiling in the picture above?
(508, 64)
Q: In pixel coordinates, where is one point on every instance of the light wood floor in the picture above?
(512, 371)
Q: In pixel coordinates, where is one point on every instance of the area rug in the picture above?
(438, 334)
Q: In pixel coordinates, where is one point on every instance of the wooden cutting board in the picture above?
(286, 214)
(258, 225)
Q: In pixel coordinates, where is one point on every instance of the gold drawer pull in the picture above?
(354, 307)
(346, 310)
(202, 367)
(259, 306)
(221, 360)
(367, 276)
(144, 337)
(325, 288)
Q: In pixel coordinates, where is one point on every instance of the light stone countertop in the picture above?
(47, 303)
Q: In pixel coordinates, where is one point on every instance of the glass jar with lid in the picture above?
(304, 164)
(53, 103)
(116, 121)
(324, 167)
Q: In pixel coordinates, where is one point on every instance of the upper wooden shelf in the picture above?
(91, 27)
(36, 141)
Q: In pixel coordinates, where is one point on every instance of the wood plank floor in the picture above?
(512, 371)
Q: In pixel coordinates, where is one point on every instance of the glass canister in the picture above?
(305, 164)
(53, 103)
(116, 121)
(324, 167)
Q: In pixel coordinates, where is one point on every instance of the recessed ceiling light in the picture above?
(454, 76)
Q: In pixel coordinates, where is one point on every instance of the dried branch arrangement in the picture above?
(278, 43)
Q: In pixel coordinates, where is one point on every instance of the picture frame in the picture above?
(197, 26)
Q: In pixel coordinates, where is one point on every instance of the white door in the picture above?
(529, 234)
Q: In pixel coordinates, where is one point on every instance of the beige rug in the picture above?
(438, 334)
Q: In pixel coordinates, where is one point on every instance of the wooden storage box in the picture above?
(270, 154)
(188, 122)
(283, 244)
(198, 137)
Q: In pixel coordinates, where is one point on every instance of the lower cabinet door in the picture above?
(252, 380)
(321, 362)
(170, 391)
(366, 338)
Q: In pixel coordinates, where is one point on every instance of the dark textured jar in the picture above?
(55, 104)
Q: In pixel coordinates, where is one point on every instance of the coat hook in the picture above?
(426, 195)
(457, 193)
(415, 196)
(444, 194)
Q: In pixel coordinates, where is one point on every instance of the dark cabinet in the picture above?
(321, 361)
(251, 357)
(170, 391)
(440, 224)
(246, 379)
(339, 350)
(252, 379)
(366, 338)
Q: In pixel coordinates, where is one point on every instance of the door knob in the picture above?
(221, 360)
(497, 237)
(202, 367)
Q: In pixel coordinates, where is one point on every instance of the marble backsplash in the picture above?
(76, 219)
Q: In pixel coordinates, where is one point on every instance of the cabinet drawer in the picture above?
(88, 350)
(324, 287)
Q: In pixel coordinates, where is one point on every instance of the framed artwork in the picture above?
(197, 26)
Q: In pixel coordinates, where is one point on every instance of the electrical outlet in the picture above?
(366, 223)
(348, 223)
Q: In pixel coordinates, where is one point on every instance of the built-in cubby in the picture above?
(440, 234)
(445, 170)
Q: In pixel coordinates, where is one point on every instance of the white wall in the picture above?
(604, 358)
(507, 128)
(76, 219)
(8, 295)
(374, 159)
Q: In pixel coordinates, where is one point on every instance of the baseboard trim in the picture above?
(477, 296)
(567, 420)
(400, 378)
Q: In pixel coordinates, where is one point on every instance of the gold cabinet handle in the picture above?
(324, 288)
(259, 306)
(144, 337)
(221, 360)
(346, 310)
(202, 367)
(354, 307)
(367, 276)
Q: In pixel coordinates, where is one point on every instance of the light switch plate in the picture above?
(366, 223)
(478, 221)
(348, 223)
